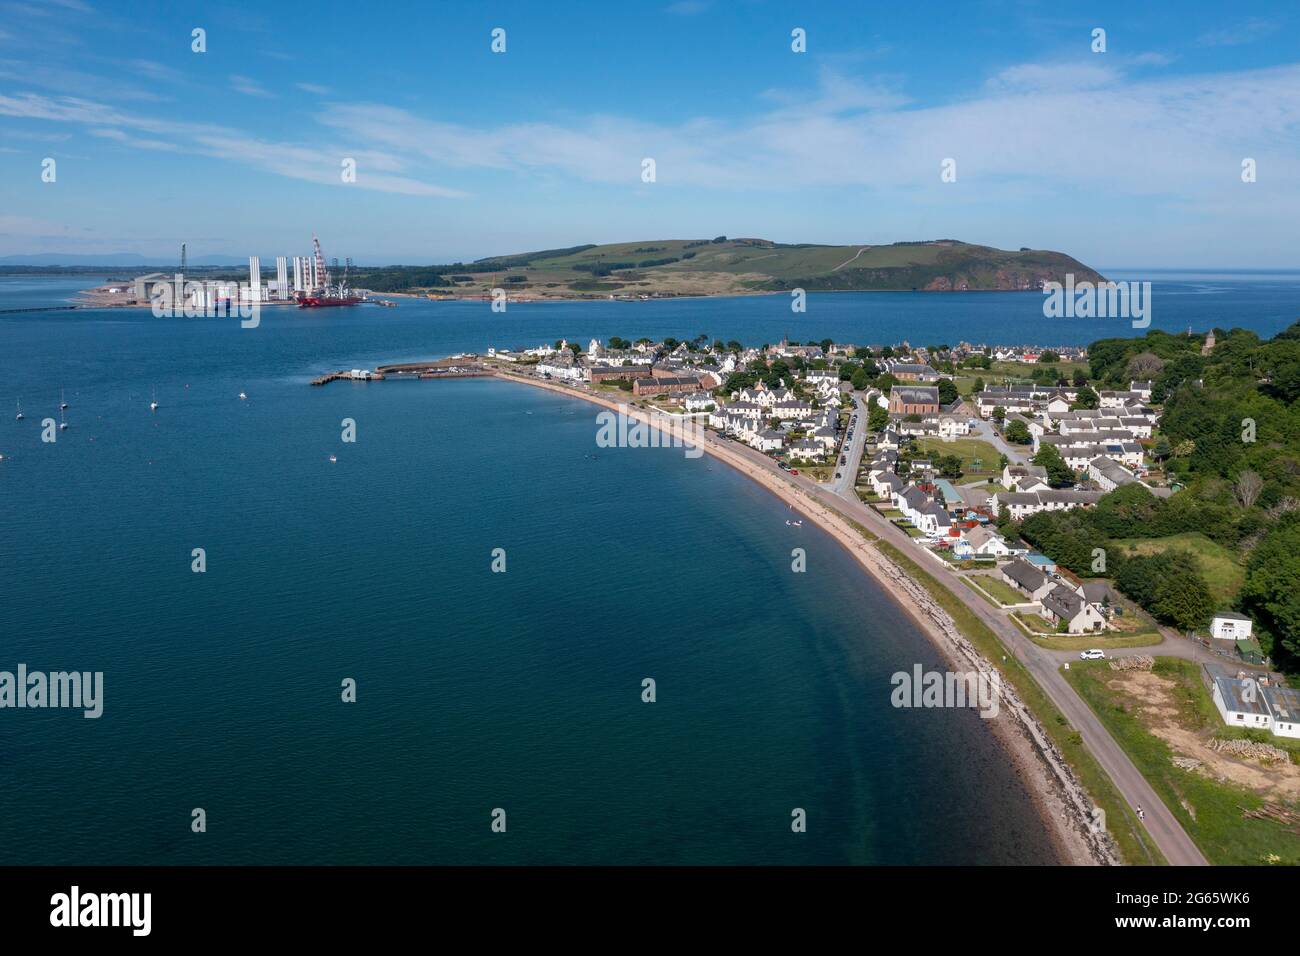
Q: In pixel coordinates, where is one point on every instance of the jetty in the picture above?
(455, 367)
(42, 308)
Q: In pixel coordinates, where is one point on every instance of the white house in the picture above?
(699, 402)
(558, 368)
(1023, 504)
(1109, 474)
(1024, 477)
(984, 541)
(953, 426)
(1063, 603)
(822, 377)
(1023, 575)
(1241, 704)
(1229, 626)
(885, 483)
(1284, 707)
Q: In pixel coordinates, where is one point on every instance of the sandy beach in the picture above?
(1061, 801)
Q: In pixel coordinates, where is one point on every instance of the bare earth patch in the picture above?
(1153, 696)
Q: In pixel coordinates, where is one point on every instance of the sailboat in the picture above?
(153, 406)
(63, 426)
(242, 397)
(63, 402)
(19, 416)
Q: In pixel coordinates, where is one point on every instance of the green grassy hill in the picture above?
(733, 266)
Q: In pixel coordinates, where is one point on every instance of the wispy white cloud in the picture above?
(248, 86)
(1053, 77)
(1152, 58)
(313, 88)
(137, 142)
(1033, 129)
(319, 162)
(74, 82)
(1248, 31)
(1033, 126)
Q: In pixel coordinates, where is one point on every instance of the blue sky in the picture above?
(1131, 157)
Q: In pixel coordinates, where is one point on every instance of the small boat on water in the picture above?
(334, 457)
(153, 406)
(63, 402)
(243, 397)
(63, 426)
(19, 416)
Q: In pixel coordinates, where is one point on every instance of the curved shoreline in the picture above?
(1057, 796)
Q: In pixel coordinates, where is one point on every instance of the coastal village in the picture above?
(961, 450)
(949, 468)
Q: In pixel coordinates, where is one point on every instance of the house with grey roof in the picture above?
(1110, 474)
(1240, 702)
(1063, 604)
(1023, 575)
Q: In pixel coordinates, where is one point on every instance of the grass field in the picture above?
(1221, 568)
(1043, 633)
(997, 588)
(733, 266)
(1209, 809)
(1015, 372)
(969, 450)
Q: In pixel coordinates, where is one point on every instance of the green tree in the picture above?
(1182, 597)
(1271, 593)
(1059, 474)
(1005, 522)
(947, 391)
(877, 418)
(1018, 432)
(1087, 398)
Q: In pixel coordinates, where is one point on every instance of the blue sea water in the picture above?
(476, 690)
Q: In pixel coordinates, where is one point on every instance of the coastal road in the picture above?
(1168, 834)
(1161, 825)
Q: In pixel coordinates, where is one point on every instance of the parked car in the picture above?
(1093, 655)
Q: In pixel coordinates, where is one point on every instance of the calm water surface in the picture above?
(476, 690)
